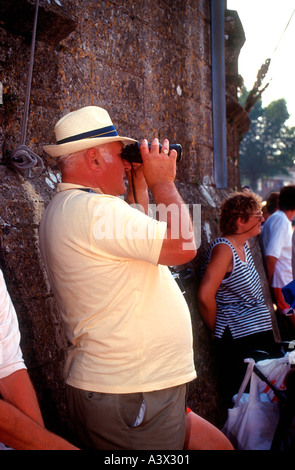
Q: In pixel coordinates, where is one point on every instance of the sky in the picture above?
(270, 33)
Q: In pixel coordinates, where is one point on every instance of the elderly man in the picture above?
(131, 353)
(21, 422)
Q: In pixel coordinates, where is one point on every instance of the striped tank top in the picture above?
(240, 303)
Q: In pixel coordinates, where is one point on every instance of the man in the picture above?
(129, 326)
(271, 205)
(293, 254)
(21, 423)
(277, 247)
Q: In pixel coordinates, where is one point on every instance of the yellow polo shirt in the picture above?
(125, 316)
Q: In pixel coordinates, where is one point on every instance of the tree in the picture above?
(268, 148)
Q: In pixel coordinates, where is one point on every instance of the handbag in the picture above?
(275, 370)
(252, 422)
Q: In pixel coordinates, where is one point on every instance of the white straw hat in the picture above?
(82, 129)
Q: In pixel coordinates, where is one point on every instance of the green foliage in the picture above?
(268, 148)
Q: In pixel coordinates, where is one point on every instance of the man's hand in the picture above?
(158, 167)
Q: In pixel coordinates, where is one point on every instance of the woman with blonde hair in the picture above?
(230, 295)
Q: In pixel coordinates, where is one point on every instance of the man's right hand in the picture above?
(159, 167)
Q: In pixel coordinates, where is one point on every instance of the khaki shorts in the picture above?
(137, 421)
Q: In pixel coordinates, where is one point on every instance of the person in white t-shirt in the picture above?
(129, 326)
(293, 254)
(277, 247)
(21, 422)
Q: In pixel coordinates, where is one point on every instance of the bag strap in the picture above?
(253, 393)
(247, 376)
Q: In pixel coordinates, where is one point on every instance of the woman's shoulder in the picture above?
(222, 242)
(221, 247)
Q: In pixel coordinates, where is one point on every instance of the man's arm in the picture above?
(18, 390)
(160, 171)
(293, 254)
(21, 422)
(20, 432)
(138, 189)
(270, 264)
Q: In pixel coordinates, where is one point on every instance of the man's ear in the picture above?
(93, 159)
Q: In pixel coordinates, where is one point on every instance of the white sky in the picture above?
(264, 23)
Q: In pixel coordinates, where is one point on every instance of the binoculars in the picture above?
(131, 152)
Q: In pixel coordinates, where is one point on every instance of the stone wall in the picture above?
(149, 64)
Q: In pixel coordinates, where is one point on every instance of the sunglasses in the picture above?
(259, 214)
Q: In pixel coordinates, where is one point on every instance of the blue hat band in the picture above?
(109, 131)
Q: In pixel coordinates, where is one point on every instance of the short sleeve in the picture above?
(276, 239)
(124, 232)
(11, 358)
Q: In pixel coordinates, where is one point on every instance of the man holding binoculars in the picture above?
(131, 353)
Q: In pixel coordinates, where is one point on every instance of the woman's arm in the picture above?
(220, 263)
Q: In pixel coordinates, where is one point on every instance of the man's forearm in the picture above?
(179, 245)
(160, 171)
(270, 262)
(177, 213)
(18, 390)
(20, 432)
(138, 190)
(140, 198)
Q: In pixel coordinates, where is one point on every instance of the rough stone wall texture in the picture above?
(149, 64)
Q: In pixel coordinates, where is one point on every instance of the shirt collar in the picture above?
(66, 186)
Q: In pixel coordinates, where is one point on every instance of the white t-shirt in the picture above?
(277, 242)
(124, 314)
(11, 358)
(293, 254)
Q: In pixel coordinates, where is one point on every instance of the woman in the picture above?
(230, 295)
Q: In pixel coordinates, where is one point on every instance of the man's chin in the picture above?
(121, 193)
